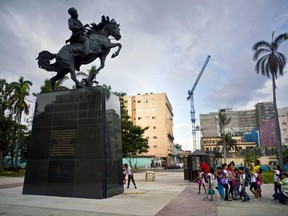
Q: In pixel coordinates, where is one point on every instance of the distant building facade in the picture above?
(267, 133)
(252, 136)
(154, 111)
(255, 125)
(264, 111)
(212, 144)
(241, 122)
(283, 121)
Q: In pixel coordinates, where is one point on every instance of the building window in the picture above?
(154, 146)
(153, 117)
(139, 101)
(147, 118)
(146, 101)
(154, 137)
(154, 127)
(207, 149)
(139, 118)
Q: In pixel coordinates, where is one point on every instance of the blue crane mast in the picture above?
(190, 97)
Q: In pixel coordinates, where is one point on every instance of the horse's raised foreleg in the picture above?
(117, 51)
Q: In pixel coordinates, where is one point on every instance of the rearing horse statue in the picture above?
(71, 56)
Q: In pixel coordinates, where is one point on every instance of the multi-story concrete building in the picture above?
(154, 111)
(283, 122)
(264, 111)
(241, 122)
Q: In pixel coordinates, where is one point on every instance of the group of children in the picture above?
(231, 182)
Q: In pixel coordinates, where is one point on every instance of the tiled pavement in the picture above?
(169, 195)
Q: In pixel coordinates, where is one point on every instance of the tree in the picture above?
(133, 141)
(224, 120)
(19, 90)
(270, 62)
(250, 157)
(7, 124)
(285, 154)
(229, 141)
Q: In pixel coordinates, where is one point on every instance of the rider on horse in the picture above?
(78, 31)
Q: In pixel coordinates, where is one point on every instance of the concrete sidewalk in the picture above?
(169, 195)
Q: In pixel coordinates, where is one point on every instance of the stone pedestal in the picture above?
(76, 148)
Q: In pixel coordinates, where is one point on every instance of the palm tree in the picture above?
(86, 75)
(270, 62)
(58, 85)
(229, 141)
(224, 120)
(19, 90)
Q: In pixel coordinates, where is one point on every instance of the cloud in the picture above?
(165, 44)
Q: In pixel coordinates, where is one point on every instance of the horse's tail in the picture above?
(44, 58)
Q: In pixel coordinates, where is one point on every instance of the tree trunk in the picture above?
(18, 142)
(224, 151)
(277, 127)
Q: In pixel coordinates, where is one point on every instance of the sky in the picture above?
(164, 46)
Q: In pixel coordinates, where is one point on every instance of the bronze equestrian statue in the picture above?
(87, 43)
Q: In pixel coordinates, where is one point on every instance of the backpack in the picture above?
(247, 177)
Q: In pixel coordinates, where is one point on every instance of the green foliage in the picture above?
(285, 154)
(133, 141)
(250, 157)
(46, 87)
(8, 125)
(227, 138)
(11, 173)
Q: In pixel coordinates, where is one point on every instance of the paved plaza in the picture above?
(169, 195)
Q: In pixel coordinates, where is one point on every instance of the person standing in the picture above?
(219, 175)
(253, 185)
(226, 186)
(277, 171)
(201, 181)
(130, 176)
(243, 184)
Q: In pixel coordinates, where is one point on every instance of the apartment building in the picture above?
(283, 122)
(241, 122)
(264, 111)
(154, 111)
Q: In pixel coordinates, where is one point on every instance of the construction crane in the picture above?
(190, 97)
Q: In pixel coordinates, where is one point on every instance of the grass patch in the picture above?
(10, 173)
(268, 177)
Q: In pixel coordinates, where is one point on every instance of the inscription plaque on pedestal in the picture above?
(76, 148)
